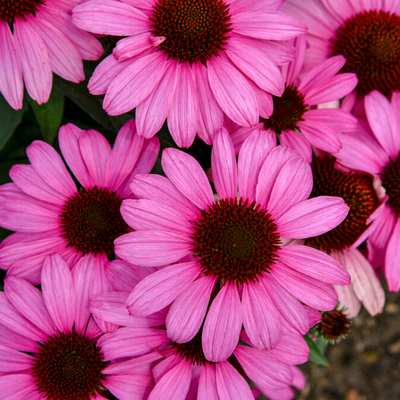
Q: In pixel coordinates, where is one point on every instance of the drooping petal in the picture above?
(392, 261)
(207, 384)
(222, 325)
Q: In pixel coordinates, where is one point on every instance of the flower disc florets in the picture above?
(91, 220)
(357, 191)
(334, 326)
(288, 111)
(195, 30)
(391, 183)
(235, 241)
(370, 41)
(11, 9)
(68, 367)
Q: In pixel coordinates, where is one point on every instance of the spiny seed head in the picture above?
(391, 183)
(288, 111)
(370, 41)
(68, 367)
(195, 30)
(334, 326)
(12, 9)
(91, 220)
(235, 241)
(357, 191)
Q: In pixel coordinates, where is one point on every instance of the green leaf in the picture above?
(91, 104)
(49, 115)
(10, 119)
(316, 356)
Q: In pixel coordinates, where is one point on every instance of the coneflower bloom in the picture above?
(295, 118)
(377, 151)
(55, 350)
(37, 38)
(235, 242)
(48, 212)
(359, 192)
(190, 61)
(366, 33)
(181, 371)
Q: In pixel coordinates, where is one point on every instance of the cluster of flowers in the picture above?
(191, 284)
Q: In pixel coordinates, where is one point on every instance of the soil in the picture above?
(365, 365)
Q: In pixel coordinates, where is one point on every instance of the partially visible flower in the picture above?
(56, 351)
(359, 191)
(190, 61)
(238, 256)
(49, 213)
(295, 118)
(376, 150)
(37, 38)
(366, 33)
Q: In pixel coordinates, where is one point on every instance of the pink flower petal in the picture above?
(187, 312)
(337, 119)
(230, 384)
(28, 300)
(288, 306)
(152, 111)
(34, 59)
(129, 387)
(174, 385)
(130, 342)
(349, 300)
(110, 18)
(273, 164)
(148, 214)
(170, 361)
(267, 25)
(256, 65)
(211, 116)
(392, 261)
(12, 319)
(132, 46)
(18, 386)
(251, 157)
(233, 92)
(160, 289)
(298, 143)
(151, 248)
(314, 263)
(310, 291)
(49, 166)
(95, 149)
(293, 184)
(183, 116)
(292, 70)
(160, 189)
(68, 138)
(132, 85)
(312, 217)
(223, 162)
(261, 319)
(208, 384)
(291, 349)
(14, 340)
(188, 177)
(12, 361)
(381, 117)
(59, 292)
(263, 369)
(222, 325)
(123, 156)
(11, 83)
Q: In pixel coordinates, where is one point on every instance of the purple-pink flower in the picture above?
(49, 213)
(190, 62)
(235, 245)
(37, 38)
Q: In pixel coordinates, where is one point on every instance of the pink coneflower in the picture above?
(295, 118)
(54, 349)
(38, 38)
(366, 33)
(190, 61)
(359, 192)
(181, 370)
(235, 243)
(49, 213)
(376, 151)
